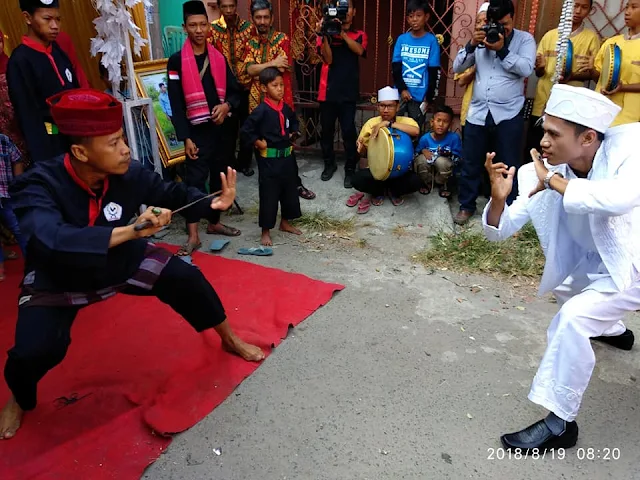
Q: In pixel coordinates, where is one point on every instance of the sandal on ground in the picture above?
(354, 199)
(305, 193)
(396, 201)
(225, 230)
(377, 201)
(364, 206)
(425, 190)
(188, 248)
(444, 192)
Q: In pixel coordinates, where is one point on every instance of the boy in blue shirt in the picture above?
(438, 152)
(416, 63)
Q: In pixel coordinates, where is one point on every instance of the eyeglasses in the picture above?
(386, 106)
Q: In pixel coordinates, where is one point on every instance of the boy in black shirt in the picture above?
(271, 128)
(339, 91)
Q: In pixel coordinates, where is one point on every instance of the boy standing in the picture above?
(416, 63)
(271, 128)
(585, 44)
(438, 152)
(339, 92)
(39, 68)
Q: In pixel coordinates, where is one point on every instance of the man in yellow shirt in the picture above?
(627, 93)
(362, 180)
(585, 46)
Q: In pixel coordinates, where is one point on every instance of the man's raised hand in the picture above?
(501, 176)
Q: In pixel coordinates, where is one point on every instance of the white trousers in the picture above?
(590, 307)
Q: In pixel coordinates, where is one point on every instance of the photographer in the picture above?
(340, 85)
(503, 57)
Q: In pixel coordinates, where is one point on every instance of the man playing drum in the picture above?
(363, 180)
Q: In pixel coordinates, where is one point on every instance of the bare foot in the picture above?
(10, 419)
(250, 353)
(265, 239)
(285, 226)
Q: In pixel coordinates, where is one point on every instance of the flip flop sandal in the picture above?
(378, 201)
(444, 192)
(305, 193)
(364, 206)
(257, 251)
(218, 245)
(425, 191)
(187, 249)
(354, 199)
(397, 201)
(226, 231)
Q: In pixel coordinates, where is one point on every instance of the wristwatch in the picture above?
(547, 178)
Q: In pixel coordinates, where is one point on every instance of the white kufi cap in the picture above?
(582, 106)
(484, 8)
(388, 94)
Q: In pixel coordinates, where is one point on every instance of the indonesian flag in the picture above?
(174, 75)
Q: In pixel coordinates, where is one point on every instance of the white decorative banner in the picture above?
(114, 19)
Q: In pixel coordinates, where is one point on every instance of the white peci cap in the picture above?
(582, 106)
(387, 94)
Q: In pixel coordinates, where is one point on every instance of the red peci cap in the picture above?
(84, 112)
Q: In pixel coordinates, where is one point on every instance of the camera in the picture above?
(334, 14)
(492, 31)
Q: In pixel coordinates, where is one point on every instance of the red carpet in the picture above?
(137, 368)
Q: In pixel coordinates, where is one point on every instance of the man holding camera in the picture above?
(341, 48)
(503, 57)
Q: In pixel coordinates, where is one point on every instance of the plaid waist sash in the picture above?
(276, 152)
(154, 261)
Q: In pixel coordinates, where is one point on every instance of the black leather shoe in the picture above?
(247, 172)
(328, 171)
(624, 341)
(539, 436)
(347, 179)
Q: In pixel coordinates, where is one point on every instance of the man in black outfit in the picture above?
(339, 92)
(202, 91)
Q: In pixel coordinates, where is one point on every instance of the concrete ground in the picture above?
(409, 373)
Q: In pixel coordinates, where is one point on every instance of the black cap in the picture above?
(193, 7)
(31, 6)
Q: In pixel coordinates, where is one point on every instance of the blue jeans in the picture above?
(9, 220)
(505, 139)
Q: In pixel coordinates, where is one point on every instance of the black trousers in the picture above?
(278, 184)
(505, 139)
(363, 181)
(207, 166)
(43, 334)
(412, 109)
(230, 131)
(345, 113)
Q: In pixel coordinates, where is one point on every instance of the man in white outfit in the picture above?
(582, 197)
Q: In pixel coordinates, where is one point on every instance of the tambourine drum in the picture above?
(610, 75)
(390, 154)
(568, 61)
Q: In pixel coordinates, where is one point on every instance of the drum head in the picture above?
(568, 60)
(610, 74)
(380, 154)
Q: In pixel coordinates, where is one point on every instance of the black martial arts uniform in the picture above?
(32, 78)
(277, 168)
(67, 227)
(207, 136)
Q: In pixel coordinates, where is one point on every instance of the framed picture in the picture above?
(151, 82)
